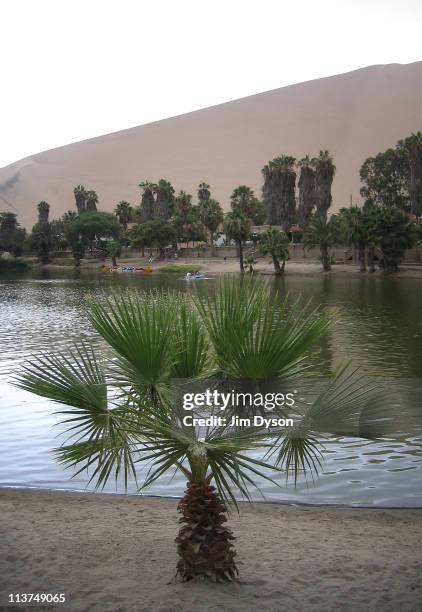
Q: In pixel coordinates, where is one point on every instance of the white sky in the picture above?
(73, 69)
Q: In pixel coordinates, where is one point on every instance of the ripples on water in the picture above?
(378, 326)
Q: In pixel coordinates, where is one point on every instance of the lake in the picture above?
(378, 326)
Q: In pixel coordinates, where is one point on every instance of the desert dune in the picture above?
(353, 115)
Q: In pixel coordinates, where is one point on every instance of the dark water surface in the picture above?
(378, 326)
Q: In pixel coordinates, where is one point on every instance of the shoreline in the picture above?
(263, 267)
(116, 553)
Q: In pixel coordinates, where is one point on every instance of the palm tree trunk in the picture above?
(276, 264)
(212, 243)
(325, 259)
(114, 261)
(204, 545)
(240, 246)
(362, 259)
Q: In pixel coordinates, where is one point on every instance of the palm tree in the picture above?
(238, 227)
(164, 202)
(276, 244)
(204, 192)
(324, 175)
(91, 201)
(414, 147)
(278, 192)
(43, 212)
(243, 200)
(245, 332)
(114, 250)
(80, 198)
(353, 227)
(324, 234)
(211, 215)
(123, 212)
(307, 194)
(148, 201)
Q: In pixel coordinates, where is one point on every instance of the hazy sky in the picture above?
(73, 69)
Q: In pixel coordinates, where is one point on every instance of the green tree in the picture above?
(80, 198)
(393, 233)
(278, 192)
(157, 233)
(276, 244)
(204, 192)
(212, 217)
(12, 236)
(114, 250)
(324, 176)
(246, 332)
(164, 202)
(91, 227)
(307, 191)
(414, 148)
(123, 212)
(238, 227)
(243, 200)
(322, 233)
(385, 178)
(148, 201)
(353, 225)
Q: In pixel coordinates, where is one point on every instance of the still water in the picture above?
(378, 326)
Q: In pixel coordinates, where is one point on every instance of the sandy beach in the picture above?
(116, 553)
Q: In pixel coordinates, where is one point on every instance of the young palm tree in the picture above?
(211, 215)
(124, 213)
(279, 191)
(148, 201)
(91, 201)
(307, 193)
(325, 171)
(276, 244)
(43, 212)
(238, 227)
(80, 198)
(244, 332)
(324, 234)
(244, 201)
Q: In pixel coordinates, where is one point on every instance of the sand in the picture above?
(353, 115)
(117, 553)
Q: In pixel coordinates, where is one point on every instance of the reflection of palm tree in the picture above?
(244, 333)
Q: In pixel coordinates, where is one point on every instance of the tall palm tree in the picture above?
(307, 193)
(324, 234)
(245, 332)
(80, 198)
(123, 212)
(204, 192)
(414, 147)
(91, 201)
(211, 215)
(238, 227)
(276, 244)
(164, 199)
(324, 175)
(278, 192)
(43, 212)
(148, 201)
(243, 199)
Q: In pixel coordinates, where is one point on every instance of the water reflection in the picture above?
(378, 326)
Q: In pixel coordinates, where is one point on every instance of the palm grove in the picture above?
(296, 195)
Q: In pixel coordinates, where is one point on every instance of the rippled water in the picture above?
(378, 326)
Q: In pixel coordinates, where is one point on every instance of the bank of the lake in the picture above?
(113, 553)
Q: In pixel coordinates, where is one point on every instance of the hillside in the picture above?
(353, 115)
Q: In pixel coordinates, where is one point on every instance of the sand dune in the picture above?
(354, 115)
